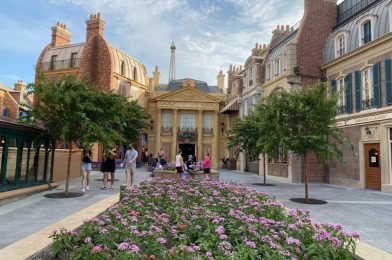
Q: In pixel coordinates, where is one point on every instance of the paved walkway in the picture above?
(25, 216)
(369, 212)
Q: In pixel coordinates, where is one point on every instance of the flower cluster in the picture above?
(166, 219)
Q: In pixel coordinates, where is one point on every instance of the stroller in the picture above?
(152, 164)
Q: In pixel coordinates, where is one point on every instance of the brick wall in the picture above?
(316, 172)
(12, 105)
(319, 17)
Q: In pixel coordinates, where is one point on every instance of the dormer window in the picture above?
(53, 60)
(277, 67)
(366, 29)
(134, 73)
(268, 72)
(122, 68)
(341, 41)
(6, 112)
(73, 59)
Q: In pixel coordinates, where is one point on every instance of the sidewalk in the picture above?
(366, 211)
(23, 217)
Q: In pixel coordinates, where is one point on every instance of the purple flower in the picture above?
(96, 249)
(220, 230)
(250, 244)
(161, 240)
(222, 237)
(322, 234)
(134, 249)
(123, 246)
(355, 234)
(87, 240)
(291, 241)
(208, 254)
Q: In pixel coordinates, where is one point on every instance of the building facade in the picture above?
(109, 68)
(11, 99)
(357, 64)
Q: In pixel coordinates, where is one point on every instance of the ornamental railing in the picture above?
(353, 10)
(367, 103)
(166, 130)
(207, 131)
(187, 133)
(341, 110)
(60, 64)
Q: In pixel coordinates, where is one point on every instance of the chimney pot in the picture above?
(98, 15)
(287, 27)
(277, 27)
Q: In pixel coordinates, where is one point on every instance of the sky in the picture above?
(209, 34)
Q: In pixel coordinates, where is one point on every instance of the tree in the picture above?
(305, 123)
(135, 118)
(76, 112)
(255, 134)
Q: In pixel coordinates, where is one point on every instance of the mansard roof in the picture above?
(178, 83)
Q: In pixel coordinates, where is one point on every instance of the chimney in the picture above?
(60, 35)
(20, 86)
(95, 26)
(156, 75)
(221, 80)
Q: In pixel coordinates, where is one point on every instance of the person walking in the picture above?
(129, 164)
(145, 157)
(109, 166)
(207, 165)
(86, 169)
(179, 164)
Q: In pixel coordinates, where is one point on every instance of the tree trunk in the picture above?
(68, 168)
(265, 173)
(306, 180)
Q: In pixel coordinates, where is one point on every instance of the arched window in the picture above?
(367, 32)
(6, 112)
(366, 29)
(134, 72)
(122, 68)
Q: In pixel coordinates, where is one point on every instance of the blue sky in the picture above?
(209, 35)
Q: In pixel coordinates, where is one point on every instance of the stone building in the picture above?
(357, 64)
(10, 100)
(111, 69)
(185, 115)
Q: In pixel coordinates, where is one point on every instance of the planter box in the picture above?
(165, 174)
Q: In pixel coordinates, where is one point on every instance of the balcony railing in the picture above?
(207, 131)
(187, 133)
(342, 16)
(166, 130)
(341, 52)
(341, 110)
(367, 103)
(60, 64)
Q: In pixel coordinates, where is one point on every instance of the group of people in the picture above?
(109, 166)
(191, 166)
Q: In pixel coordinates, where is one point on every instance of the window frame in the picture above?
(73, 59)
(367, 101)
(53, 60)
(338, 49)
(361, 22)
(277, 67)
(122, 68)
(166, 119)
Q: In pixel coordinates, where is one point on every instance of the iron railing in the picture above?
(341, 110)
(353, 10)
(166, 130)
(367, 103)
(60, 64)
(187, 133)
(207, 131)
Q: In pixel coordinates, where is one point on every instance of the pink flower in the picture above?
(220, 230)
(96, 249)
(123, 246)
(161, 240)
(87, 240)
(134, 249)
(250, 244)
(291, 241)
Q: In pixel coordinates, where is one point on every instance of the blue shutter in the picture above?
(376, 85)
(348, 93)
(333, 86)
(358, 92)
(388, 81)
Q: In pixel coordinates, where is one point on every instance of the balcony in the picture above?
(367, 103)
(188, 134)
(166, 130)
(60, 64)
(208, 131)
(341, 110)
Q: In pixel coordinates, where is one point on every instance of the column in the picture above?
(215, 141)
(175, 126)
(200, 136)
(158, 130)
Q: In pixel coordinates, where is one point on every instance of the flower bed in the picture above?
(190, 219)
(167, 174)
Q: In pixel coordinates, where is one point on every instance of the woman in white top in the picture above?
(179, 164)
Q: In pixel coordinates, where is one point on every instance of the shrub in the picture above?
(202, 220)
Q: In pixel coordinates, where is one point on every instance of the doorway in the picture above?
(372, 166)
(187, 149)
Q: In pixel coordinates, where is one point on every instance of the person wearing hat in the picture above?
(189, 166)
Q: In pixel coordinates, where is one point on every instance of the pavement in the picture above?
(32, 218)
(29, 214)
(366, 211)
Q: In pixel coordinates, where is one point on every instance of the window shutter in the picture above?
(348, 93)
(358, 94)
(388, 81)
(376, 85)
(367, 32)
(333, 86)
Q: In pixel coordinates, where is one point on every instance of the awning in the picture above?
(232, 107)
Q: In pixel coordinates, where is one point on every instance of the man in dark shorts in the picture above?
(189, 166)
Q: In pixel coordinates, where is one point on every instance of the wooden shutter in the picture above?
(348, 93)
(376, 85)
(358, 91)
(388, 81)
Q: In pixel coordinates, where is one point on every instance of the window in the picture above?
(277, 67)
(134, 92)
(341, 101)
(122, 68)
(207, 121)
(53, 60)
(166, 120)
(390, 17)
(134, 73)
(6, 112)
(187, 121)
(206, 149)
(73, 59)
(367, 88)
(251, 72)
(268, 72)
(367, 32)
(250, 104)
(281, 157)
(340, 45)
(245, 107)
